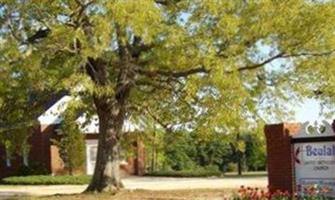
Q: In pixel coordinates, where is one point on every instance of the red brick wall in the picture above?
(140, 158)
(39, 152)
(8, 171)
(280, 156)
(136, 165)
(45, 153)
(41, 142)
(57, 164)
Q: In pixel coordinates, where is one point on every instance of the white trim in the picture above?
(89, 164)
(8, 158)
(53, 114)
(92, 125)
(316, 129)
(8, 162)
(25, 160)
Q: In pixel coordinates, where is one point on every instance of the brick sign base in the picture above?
(300, 156)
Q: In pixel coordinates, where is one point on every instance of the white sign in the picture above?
(316, 129)
(315, 167)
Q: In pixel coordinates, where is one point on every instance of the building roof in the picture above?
(53, 115)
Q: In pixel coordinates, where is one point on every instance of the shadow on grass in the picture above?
(12, 195)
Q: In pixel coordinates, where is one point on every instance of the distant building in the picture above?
(44, 152)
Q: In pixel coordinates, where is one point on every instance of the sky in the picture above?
(309, 110)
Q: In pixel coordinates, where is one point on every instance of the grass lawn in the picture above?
(46, 180)
(199, 194)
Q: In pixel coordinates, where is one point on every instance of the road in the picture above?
(146, 183)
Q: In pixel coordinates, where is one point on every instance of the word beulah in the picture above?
(325, 150)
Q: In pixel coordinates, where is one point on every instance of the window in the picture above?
(91, 155)
(8, 148)
(25, 160)
(8, 161)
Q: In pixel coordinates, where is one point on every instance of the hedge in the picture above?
(46, 180)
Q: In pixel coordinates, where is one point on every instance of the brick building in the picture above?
(44, 152)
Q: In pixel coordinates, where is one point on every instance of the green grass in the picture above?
(46, 180)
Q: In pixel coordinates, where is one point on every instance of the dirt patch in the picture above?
(199, 194)
(148, 188)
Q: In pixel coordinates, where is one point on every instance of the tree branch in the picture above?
(82, 6)
(283, 55)
(174, 74)
(162, 2)
(40, 34)
(12, 31)
(252, 67)
(167, 127)
(326, 53)
(155, 85)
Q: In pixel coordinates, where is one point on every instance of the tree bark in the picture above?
(153, 152)
(70, 171)
(239, 157)
(239, 164)
(106, 176)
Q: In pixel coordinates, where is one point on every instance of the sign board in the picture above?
(315, 167)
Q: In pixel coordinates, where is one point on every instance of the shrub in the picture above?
(34, 168)
(231, 167)
(46, 180)
(72, 143)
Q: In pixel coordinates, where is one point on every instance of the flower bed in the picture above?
(310, 193)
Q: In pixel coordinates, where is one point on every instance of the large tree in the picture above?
(179, 62)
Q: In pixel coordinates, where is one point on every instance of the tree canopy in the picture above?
(190, 64)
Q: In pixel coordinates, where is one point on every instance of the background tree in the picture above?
(255, 153)
(182, 62)
(19, 105)
(190, 151)
(72, 142)
(179, 151)
(238, 146)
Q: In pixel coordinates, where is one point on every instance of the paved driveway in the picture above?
(147, 183)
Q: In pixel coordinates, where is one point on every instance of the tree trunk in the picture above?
(111, 110)
(239, 164)
(70, 171)
(239, 156)
(107, 169)
(153, 152)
